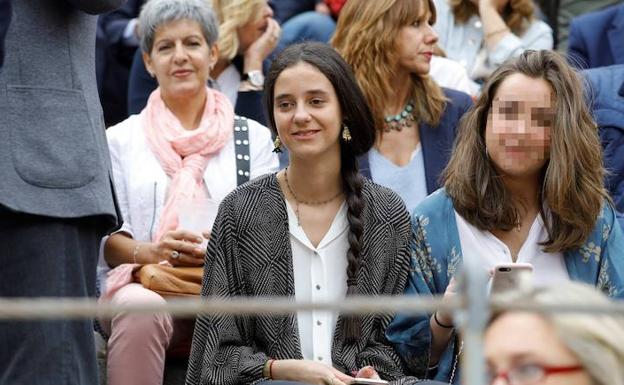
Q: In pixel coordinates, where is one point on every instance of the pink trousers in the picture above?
(138, 343)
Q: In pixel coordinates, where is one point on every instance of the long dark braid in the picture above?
(355, 113)
(352, 185)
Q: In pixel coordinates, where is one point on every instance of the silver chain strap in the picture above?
(459, 352)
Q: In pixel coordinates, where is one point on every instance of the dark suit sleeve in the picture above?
(96, 7)
(114, 23)
(140, 85)
(577, 50)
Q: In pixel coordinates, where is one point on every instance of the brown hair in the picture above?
(572, 179)
(366, 37)
(516, 13)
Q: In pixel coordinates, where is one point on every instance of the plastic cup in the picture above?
(197, 215)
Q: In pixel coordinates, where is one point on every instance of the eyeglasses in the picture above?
(529, 374)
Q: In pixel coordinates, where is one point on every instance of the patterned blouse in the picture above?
(250, 255)
(437, 255)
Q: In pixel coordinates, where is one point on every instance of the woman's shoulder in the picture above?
(458, 101)
(435, 204)
(382, 205)
(251, 191)
(124, 132)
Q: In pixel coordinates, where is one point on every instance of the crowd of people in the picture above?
(340, 148)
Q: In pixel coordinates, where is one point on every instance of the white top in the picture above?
(320, 275)
(450, 74)
(463, 42)
(548, 268)
(141, 183)
(228, 82)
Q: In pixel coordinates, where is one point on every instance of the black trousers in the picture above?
(48, 257)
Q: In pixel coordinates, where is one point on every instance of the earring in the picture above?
(277, 145)
(346, 134)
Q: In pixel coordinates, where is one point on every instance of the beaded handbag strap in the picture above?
(241, 149)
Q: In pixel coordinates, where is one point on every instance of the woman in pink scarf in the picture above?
(180, 148)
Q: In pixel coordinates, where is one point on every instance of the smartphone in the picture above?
(368, 381)
(511, 276)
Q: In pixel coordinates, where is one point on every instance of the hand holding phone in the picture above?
(511, 276)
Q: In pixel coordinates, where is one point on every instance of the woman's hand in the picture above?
(262, 47)
(368, 372)
(308, 372)
(450, 294)
(179, 248)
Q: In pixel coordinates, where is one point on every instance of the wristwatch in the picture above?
(256, 78)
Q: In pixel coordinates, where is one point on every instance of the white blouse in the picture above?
(141, 183)
(481, 245)
(320, 275)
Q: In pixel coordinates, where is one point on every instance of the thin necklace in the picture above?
(309, 203)
(401, 120)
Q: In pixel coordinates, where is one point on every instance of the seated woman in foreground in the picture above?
(524, 184)
(182, 149)
(315, 231)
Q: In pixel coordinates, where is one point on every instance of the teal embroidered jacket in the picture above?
(436, 256)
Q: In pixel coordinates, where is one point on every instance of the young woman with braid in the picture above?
(316, 230)
(389, 44)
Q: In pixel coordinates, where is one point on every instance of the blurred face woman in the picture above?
(277, 230)
(524, 184)
(556, 349)
(389, 44)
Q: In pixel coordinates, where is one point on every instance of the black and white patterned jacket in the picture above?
(249, 254)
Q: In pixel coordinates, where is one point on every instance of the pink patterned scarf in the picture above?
(184, 154)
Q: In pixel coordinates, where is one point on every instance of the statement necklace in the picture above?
(309, 203)
(401, 120)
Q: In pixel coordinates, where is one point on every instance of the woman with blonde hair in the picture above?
(389, 44)
(482, 34)
(556, 348)
(247, 36)
(524, 184)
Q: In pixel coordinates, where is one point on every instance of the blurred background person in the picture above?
(524, 184)
(559, 13)
(524, 348)
(182, 147)
(482, 34)
(389, 44)
(117, 43)
(596, 39)
(56, 195)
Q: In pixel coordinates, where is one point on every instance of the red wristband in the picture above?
(271, 369)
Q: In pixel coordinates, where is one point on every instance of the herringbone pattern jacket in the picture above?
(249, 254)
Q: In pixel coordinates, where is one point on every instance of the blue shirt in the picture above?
(408, 181)
(437, 256)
